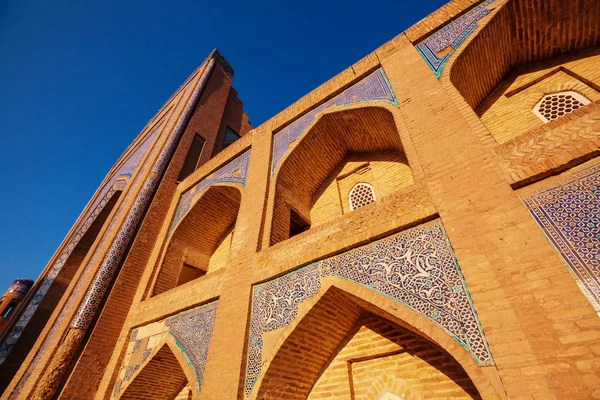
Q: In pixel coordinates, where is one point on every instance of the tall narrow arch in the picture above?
(343, 146)
(200, 242)
(59, 283)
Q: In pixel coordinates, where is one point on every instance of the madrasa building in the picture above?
(424, 225)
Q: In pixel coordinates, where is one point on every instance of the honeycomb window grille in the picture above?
(361, 195)
(553, 106)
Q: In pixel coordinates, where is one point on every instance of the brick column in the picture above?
(528, 303)
(224, 368)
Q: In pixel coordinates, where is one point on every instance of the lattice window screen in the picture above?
(553, 106)
(360, 195)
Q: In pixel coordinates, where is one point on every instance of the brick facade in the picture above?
(471, 272)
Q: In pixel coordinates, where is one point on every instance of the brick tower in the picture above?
(84, 293)
(423, 225)
(11, 300)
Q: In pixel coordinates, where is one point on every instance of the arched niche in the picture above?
(517, 35)
(299, 355)
(164, 376)
(201, 241)
(47, 296)
(342, 147)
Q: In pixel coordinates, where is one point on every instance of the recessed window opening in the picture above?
(360, 195)
(297, 223)
(553, 106)
(191, 160)
(189, 273)
(8, 310)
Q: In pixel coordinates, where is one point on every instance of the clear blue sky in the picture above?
(79, 79)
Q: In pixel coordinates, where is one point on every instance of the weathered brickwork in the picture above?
(416, 227)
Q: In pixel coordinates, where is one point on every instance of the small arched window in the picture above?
(553, 106)
(360, 195)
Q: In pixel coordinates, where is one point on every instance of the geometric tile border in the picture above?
(191, 330)
(113, 255)
(452, 35)
(416, 268)
(374, 87)
(569, 215)
(233, 172)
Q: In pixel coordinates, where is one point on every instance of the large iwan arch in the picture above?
(298, 355)
(341, 147)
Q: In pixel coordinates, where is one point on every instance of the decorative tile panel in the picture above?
(113, 255)
(415, 267)
(450, 37)
(191, 331)
(374, 87)
(233, 172)
(569, 215)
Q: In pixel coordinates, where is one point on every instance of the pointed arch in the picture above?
(340, 145)
(47, 296)
(200, 242)
(322, 327)
(514, 37)
(163, 376)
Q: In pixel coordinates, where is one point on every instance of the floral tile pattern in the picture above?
(415, 267)
(192, 332)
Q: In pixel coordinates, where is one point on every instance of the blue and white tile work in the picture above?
(142, 190)
(233, 172)
(416, 268)
(83, 278)
(451, 36)
(569, 215)
(190, 330)
(114, 254)
(374, 87)
(117, 182)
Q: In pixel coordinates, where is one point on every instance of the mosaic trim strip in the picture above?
(107, 269)
(374, 87)
(15, 334)
(233, 172)
(192, 332)
(451, 36)
(99, 286)
(416, 268)
(116, 183)
(569, 215)
(83, 278)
